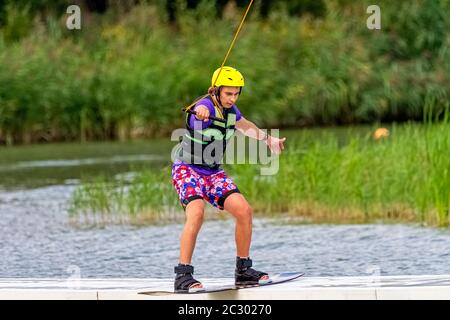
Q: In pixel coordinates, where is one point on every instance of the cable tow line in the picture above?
(187, 108)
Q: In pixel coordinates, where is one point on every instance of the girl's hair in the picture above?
(212, 90)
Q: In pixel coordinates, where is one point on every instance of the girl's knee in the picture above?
(196, 215)
(245, 214)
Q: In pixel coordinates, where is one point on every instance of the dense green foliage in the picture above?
(128, 74)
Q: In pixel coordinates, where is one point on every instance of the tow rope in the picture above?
(188, 108)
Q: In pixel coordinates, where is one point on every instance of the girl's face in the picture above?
(229, 96)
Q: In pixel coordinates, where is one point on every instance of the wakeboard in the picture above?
(275, 278)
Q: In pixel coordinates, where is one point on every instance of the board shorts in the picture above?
(191, 185)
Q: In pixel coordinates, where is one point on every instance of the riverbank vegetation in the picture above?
(134, 64)
(127, 73)
(404, 177)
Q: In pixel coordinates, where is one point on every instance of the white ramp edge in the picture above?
(419, 287)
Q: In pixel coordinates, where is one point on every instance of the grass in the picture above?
(402, 178)
(148, 199)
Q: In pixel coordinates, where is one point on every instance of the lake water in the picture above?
(37, 240)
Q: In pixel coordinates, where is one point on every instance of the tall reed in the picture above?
(129, 76)
(402, 178)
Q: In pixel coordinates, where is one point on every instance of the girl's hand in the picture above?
(275, 145)
(202, 113)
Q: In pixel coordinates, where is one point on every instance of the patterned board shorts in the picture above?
(190, 185)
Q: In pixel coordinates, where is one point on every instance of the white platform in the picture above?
(307, 288)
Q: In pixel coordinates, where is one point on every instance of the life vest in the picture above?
(206, 147)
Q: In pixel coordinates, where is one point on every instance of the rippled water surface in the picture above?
(36, 239)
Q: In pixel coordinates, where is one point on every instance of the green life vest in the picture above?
(206, 147)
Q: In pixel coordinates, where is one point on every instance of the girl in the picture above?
(197, 176)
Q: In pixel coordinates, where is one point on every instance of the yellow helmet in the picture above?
(228, 77)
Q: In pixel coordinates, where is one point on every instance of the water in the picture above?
(36, 239)
(28, 167)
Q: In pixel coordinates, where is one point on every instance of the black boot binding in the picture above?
(184, 279)
(245, 275)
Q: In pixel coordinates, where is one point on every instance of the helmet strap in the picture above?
(217, 94)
